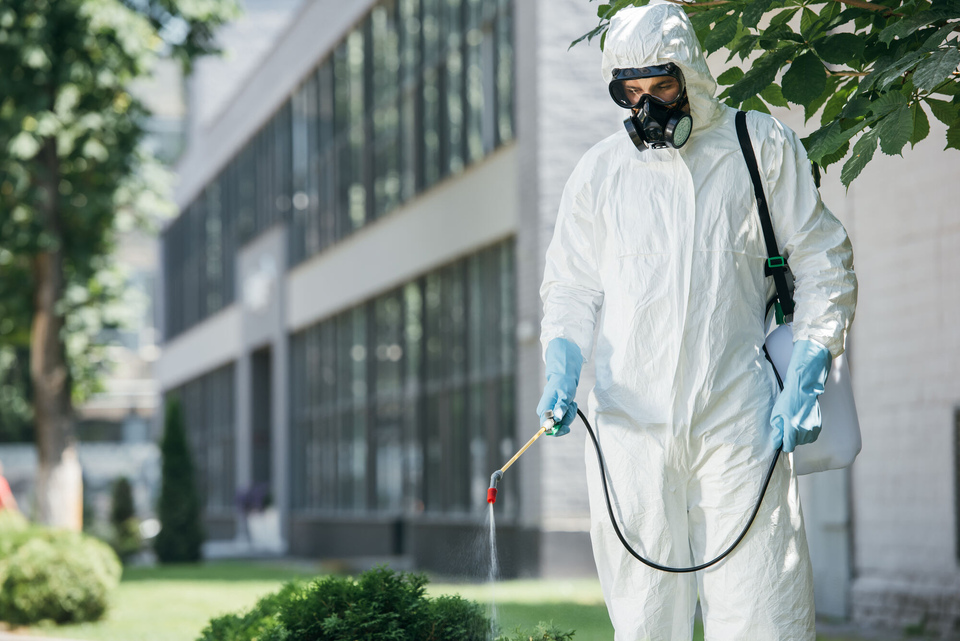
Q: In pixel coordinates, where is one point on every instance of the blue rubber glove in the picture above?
(564, 361)
(796, 414)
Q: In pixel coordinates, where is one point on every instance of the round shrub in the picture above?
(58, 575)
(380, 604)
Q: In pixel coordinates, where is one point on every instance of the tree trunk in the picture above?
(59, 487)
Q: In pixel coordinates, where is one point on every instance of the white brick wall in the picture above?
(906, 362)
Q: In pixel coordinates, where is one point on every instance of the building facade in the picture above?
(351, 313)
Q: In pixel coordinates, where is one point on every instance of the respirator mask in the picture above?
(656, 96)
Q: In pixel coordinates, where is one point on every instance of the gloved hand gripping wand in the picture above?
(496, 476)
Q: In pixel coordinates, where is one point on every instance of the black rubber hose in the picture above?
(616, 527)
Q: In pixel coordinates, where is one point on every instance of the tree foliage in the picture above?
(872, 70)
(68, 119)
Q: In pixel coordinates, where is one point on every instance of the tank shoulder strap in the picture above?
(776, 264)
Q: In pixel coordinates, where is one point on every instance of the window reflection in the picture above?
(207, 408)
(409, 397)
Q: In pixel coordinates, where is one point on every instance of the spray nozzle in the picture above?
(492, 492)
(548, 424)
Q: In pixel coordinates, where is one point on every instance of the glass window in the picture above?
(300, 141)
(213, 281)
(418, 91)
(386, 113)
(474, 81)
(504, 71)
(327, 149)
(207, 407)
(408, 399)
(453, 87)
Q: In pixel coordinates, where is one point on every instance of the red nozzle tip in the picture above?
(492, 495)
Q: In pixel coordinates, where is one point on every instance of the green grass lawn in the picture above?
(175, 603)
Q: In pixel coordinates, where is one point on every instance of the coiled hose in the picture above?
(616, 526)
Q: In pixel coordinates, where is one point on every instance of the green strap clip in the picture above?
(776, 262)
(778, 310)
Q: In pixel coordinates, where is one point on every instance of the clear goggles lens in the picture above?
(627, 92)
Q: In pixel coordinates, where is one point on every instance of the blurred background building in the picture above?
(349, 302)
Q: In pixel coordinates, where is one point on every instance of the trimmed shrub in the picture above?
(53, 574)
(181, 534)
(380, 605)
(121, 502)
(125, 526)
(255, 624)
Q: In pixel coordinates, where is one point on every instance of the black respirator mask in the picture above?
(657, 119)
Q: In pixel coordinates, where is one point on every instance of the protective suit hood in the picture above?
(656, 34)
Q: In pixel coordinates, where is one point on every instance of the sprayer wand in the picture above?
(496, 476)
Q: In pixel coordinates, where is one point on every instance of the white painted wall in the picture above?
(906, 368)
(204, 347)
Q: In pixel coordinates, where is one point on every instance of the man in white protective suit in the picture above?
(658, 253)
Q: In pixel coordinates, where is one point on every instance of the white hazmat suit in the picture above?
(664, 249)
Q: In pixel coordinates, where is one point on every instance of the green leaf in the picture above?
(953, 137)
(602, 10)
(862, 154)
(754, 11)
(742, 44)
(895, 130)
(703, 20)
(762, 73)
(836, 156)
(774, 96)
(884, 74)
(888, 102)
(836, 102)
(814, 105)
(805, 80)
(949, 88)
(730, 76)
(782, 18)
(754, 104)
(773, 38)
(827, 140)
(830, 12)
(937, 37)
(945, 112)
(937, 68)
(807, 21)
(856, 108)
(722, 33)
(921, 126)
(589, 36)
(906, 26)
(840, 48)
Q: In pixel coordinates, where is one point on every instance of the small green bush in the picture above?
(181, 534)
(53, 574)
(544, 632)
(255, 624)
(380, 605)
(121, 501)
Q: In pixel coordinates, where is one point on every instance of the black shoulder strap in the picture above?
(776, 264)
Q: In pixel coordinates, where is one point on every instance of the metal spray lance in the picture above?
(548, 424)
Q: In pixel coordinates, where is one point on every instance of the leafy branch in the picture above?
(872, 70)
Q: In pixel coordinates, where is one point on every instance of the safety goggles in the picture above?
(661, 83)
